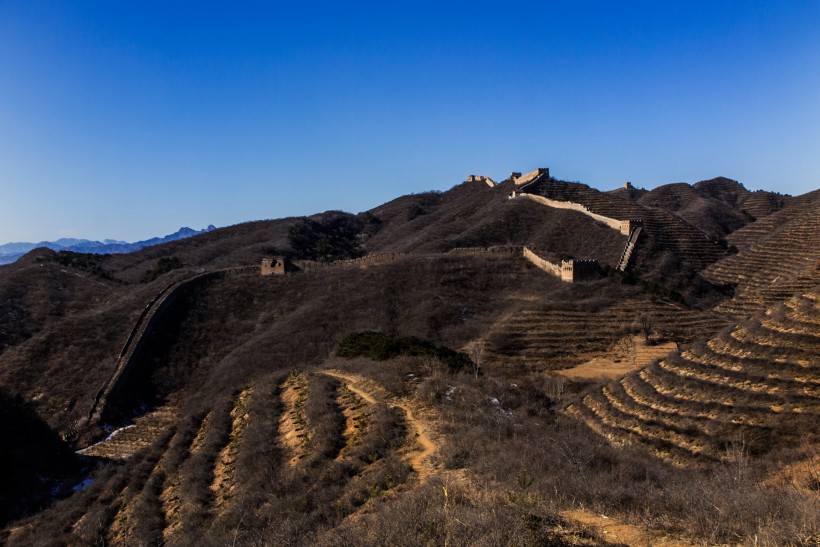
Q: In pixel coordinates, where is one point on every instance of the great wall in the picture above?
(567, 270)
(136, 338)
(700, 406)
(570, 270)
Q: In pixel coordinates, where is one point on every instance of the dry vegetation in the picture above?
(442, 419)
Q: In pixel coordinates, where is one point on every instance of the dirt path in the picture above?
(614, 531)
(637, 354)
(417, 458)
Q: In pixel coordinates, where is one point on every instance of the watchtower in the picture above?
(578, 270)
(276, 265)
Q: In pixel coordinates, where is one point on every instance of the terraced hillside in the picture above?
(547, 338)
(234, 423)
(753, 387)
(779, 256)
(233, 465)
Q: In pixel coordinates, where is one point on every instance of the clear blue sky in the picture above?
(127, 119)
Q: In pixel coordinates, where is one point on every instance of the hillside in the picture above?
(211, 404)
(779, 256)
(755, 385)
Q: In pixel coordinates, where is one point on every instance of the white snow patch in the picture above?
(110, 436)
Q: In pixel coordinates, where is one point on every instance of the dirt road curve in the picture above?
(418, 458)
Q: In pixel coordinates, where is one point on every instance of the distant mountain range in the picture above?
(10, 252)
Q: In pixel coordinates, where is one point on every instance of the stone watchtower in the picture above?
(276, 265)
(578, 270)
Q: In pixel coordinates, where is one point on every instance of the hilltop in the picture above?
(210, 403)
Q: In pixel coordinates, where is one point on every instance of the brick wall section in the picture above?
(481, 178)
(546, 265)
(615, 224)
(127, 359)
(569, 271)
(526, 178)
(578, 270)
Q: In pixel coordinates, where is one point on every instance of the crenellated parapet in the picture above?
(579, 270)
(481, 178)
(527, 178)
(568, 271)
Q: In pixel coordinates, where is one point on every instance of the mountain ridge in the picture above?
(235, 387)
(10, 252)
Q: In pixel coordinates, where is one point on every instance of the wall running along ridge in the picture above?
(631, 228)
(135, 342)
(615, 224)
(546, 265)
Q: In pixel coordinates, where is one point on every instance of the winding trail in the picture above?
(418, 459)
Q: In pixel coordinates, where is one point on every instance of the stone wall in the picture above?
(569, 271)
(578, 270)
(377, 258)
(274, 266)
(613, 223)
(511, 249)
(129, 355)
(481, 178)
(531, 176)
(546, 265)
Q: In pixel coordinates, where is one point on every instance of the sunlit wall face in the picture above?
(129, 121)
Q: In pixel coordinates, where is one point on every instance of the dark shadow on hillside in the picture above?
(36, 466)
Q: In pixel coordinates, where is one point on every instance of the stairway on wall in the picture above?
(755, 384)
(630, 247)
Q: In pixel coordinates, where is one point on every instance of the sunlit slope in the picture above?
(755, 387)
(778, 256)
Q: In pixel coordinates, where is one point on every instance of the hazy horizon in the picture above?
(128, 121)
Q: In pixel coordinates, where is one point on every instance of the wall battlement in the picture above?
(512, 249)
(627, 227)
(481, 178)
(526, 178)
(569, 271)
(276, 265)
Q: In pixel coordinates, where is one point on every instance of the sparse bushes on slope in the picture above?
(494, 432)
(334, 237)
(164, 265)
(380, 347)
(87, 262)
(33, 459)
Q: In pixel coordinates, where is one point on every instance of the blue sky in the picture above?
(129, 119)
